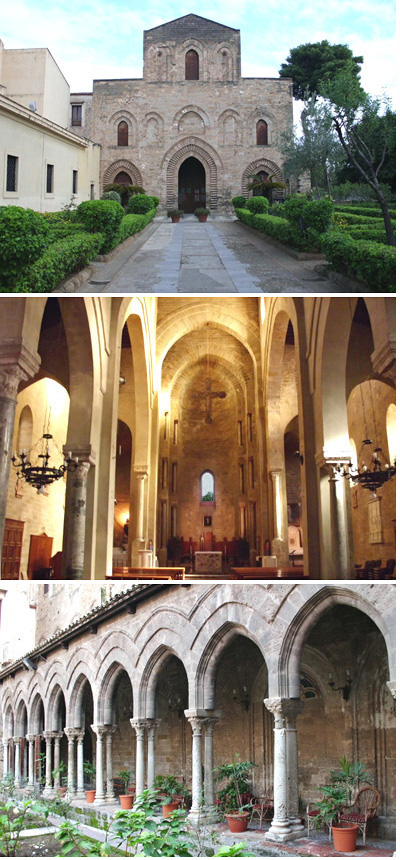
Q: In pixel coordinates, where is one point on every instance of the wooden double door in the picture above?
(39, 551)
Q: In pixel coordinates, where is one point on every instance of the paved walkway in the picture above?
(221, 256)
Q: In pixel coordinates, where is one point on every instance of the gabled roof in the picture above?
(190, 25)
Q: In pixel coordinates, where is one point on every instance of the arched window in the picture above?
(192, 66)
(25, 430)
(123, 133)
(262, 133)
(207, 485)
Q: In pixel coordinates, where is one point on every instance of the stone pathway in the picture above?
(221, 256)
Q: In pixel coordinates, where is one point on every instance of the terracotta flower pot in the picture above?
(175, 219)
(237, 821)
(90, 795)
(170, 807)
(345, 837)
(126, 801)
(202, 218)
(62, 790)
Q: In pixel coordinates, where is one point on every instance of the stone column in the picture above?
(279, 545)
(31, 762)
(280, 829)
(99, 731)
(293, 709)
(17, 762)
(139, 538)
(16, 364)
(75, 544)
(139, 726)
(242, 514)
(338, 526)
(80, 785)
(392, 687)
(209, 764)
(6, 743)
(151, 732)
(57, 738)
(71, 735)
(109, 764)
(48, 736)
(196, 813)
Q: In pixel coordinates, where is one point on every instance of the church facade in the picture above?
(193, 130)
(171, 679)
(225, 422)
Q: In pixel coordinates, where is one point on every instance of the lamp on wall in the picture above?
(345, 689)
(175, 704)
(245, 701)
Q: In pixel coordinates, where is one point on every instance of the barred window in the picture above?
(74, 181)
(12, 173)
(49, 178)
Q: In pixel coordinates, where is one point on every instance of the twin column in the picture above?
(286, 822)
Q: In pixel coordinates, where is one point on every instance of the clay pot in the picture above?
(62, 790)
(202, 218)
(170, 807)
(237, 821)
(90, 795)
(345, 837)
(175, 219)
(126, 801)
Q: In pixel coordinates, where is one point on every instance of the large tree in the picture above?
(311, 64)
(384, 130)
(317, 150)
(364, 131)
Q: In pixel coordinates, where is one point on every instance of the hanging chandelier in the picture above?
(40, 475)
(373, 469)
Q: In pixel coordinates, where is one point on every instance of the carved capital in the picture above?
(16, 363)
(10, 378)
(284, 710)
(71, 734)
(100, 731)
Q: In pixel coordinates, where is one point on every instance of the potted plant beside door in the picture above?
(202, 213)
(175, 215)
(90, 771)
(235, 795)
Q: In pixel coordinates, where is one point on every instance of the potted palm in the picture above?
(202, 213)
(338, 795)
(90, 771)
(175, 215)
(126, 800)
(171, 793)
(235, 795)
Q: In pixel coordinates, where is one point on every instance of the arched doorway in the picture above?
(191, 185)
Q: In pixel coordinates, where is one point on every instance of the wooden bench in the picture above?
(147, 573)
(267, 573)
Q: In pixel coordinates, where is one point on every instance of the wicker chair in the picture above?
(261, 808)
(363, 810)
(311, 813)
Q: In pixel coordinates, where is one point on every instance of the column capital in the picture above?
(71, 733)
(328, 458)
(284, 709)
(99, 730)
(139, 725)
(17, 363)
(48, 735)
(17, 739)
(58, 735)
(209, 724)
(141, 471)
(84, 454)
(29, 738)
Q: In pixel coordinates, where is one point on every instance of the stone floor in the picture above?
(221, 256)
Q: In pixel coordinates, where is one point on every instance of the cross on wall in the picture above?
(208, 395)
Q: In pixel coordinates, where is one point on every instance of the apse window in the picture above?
(207, 488)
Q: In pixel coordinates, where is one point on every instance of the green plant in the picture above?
(111, 195)
(239, 202)
(171, 213)
(89, 770)
(318, 214)
(367, 261)
(60, 771)
(201, 210)
(330, 808)
(350, 775)
(258, 205)
(13, 821)
(238, 850)
(60, 259)
(237, 774)
(126, 776)
(139, 830)
(24, 235)
(101, 216)
(140, 204)
(156, 200)
(170, 787)
(73, 844)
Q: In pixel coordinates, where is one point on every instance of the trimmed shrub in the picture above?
(125, 191)
(277, 209)
(318, 215)
(24, 234)
(132, 224)
(245, 216)
(367, 261)
(111, 195)
(364, 231)
(139, 204)
(294, 207)
(258, 205)
(239, 202)
(102, 216)
(350, 218)
(58, 261)
(367, 211)
(279, 229)
(156, 200)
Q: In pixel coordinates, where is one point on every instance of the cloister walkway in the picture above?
(221, 256)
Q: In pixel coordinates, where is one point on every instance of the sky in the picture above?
(103, 39)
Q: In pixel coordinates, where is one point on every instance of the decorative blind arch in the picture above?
(192, 66)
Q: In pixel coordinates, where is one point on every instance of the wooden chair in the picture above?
(262, 808)
(363, 810)
(311, 813)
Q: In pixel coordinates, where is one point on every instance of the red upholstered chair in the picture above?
(311, 813)
(261, 808)
(364, 810)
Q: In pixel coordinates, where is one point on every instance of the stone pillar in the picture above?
(139, 726)
(242, 526)
(392, 687)
(338, 526)
(80, 784)
(99, 731)
(209, 764)
(16, 364)
(109, 764)
(280, 829)
(151, 732)
(279, 545)
(57, 738)
(139, 538)
(17, 762)
(48, 736)
(6, 744)
(71, 735)
(31, 762)
(196, 813)
(293, 709)
(75, 544)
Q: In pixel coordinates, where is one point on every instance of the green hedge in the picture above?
(277, 228)
(239, 202)
(364, 231)
(367, 261)
(132, 224)
(24, 234)
(58, 261)
(102, 216)
(351, 218)
(139, 204)
(258, 205)
(366, 211)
